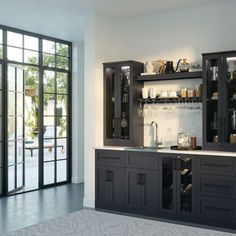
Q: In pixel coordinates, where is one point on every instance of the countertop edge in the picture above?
(197, 152)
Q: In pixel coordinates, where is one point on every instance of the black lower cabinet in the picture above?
(142, 190)
(216, 209)
(110, 189)
(176, 185)
(197, 189)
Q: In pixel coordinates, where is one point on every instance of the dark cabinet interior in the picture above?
(122, 126)
(219, 106)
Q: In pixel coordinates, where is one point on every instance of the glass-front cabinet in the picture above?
(177, 182)
(219, 103)
(122, 126)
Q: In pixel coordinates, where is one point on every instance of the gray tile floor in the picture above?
(31, 208)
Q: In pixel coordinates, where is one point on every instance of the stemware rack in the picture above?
(170, 100)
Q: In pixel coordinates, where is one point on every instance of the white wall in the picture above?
(77, 113)
(170, 35)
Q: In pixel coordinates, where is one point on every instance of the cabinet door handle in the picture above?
(143, 179)
(109, 176)
(139, 179)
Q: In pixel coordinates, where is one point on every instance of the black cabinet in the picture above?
(110, 179)
(122, 126)
(216, 190)
(200, 189)
(142, 190)
(142, 182)
(177, 187)
(219, 101)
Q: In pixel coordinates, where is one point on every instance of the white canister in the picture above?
(144, 93)
(152, 92)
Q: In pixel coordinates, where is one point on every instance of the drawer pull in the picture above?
(217, 209)
(110, 158)
(214, 165)
(216, 186)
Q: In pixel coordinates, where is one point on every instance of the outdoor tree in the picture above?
(58, 60)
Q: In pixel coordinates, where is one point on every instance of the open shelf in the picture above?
(171, 100)
(174, 76)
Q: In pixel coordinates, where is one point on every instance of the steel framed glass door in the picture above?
(55, 126)
(15, 125)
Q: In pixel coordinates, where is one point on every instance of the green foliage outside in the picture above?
(32, 83)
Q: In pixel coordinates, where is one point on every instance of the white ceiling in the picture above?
(64, 18)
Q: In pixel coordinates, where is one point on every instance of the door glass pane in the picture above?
(31, 43)
(1, 52)
(31, 57)
(61, 105)
(111, 122)
(61, 171)
(11, 103)
(61, 126)
(1, 37)
(19, 175)
(49, 82)
(62, 62)
(20, 103)
(14, 39)
(61, 148)
(231, 100)
(49, 60)
(62, 49)
(11, 78)
(14, 54)
(19, 128)
(167, 183)
(186, 185)
(49, 104)
(11, 128)
(49, 46)
(62, 83)
(11, 153)
(11, 178)
(49, 173)
(20, 80)
(125, 88)
(49, 149)
(212, 132)
(20, 151)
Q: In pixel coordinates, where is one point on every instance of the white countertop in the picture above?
(168, 150)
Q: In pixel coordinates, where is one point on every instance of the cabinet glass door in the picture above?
(230, 119)
(168, 184)
(110, 103)
(212, 100)
(125, 101)
(185, 201)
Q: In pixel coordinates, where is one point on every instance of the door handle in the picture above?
(141, 179)
(109, 176)
(178, 163)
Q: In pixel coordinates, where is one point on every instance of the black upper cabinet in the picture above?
(122, 126)
(219, 101)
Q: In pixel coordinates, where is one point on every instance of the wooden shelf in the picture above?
(174, 76)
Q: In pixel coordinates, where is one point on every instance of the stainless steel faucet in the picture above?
(156, 141)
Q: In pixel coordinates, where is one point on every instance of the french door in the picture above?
(35, 111)
(15, 124)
